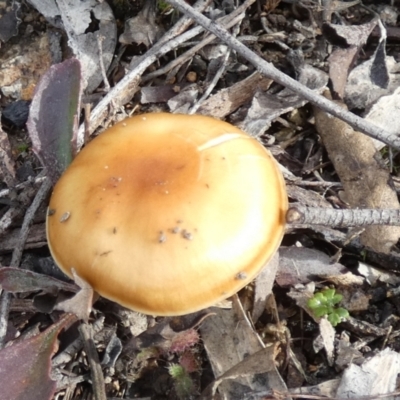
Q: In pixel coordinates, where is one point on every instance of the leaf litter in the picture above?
(267, 342)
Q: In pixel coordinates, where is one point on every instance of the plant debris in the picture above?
(323, 317)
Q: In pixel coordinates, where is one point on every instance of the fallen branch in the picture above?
(335, 218)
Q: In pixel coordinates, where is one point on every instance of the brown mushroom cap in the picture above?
(168, 214)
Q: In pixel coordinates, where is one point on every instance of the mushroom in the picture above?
(168, 214)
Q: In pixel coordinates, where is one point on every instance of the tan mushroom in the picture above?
(168, 214)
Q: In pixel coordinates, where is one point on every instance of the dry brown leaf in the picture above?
(228, 100)
(81, 303)
(374, 275)
(361, 92)
(324, 390)
(263, 287)
(306, 197)
(36, 238)
(266, 107)
(142, 29)
(347, 353)
(229, 340)
(256, 364)
(327, 332)
(304, 265)
(368, 379)
(350, 39)
(385, 113)
(365, 179)
(354, 300)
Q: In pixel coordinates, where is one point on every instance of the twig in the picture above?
(217, 75)
(334, 218)
(17, 254)
(271, 72)
(18, 204)
(70, 351)
(126, 88)
(228, 21)
(96, 372)
(4, 311)
(100, 40)
(29, 215)
(185, 21)
(86, 123)
(39, 179)
(315, 183)
(213, 83)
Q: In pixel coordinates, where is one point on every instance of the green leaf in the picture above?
(321, 311)
(333, 319)
(342, 313)
(337, 298)
(329, 294)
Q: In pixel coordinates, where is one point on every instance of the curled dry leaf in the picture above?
(374, 275)
(228, 100)
(29, 377)
(143, 28)
(263, 286)
(385, 113)
(9, 20)
(230, 342)
(367, 380)
(266, 107)
(257, 364)
(17, 280)
(361, 92)
(81, 303)
(327, 333)
(347, 353)
(77, 18)
(363, 175)
(349, 40)
(304, 265)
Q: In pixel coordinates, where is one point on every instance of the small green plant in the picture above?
(163, 5)
(324, 303)
(23, 147)
(183, 383)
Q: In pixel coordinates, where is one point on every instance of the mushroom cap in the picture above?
(168, 214)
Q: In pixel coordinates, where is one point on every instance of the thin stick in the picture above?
(228, 21)
(271, 72)
(29, 215)
(5, 302)
(17, 254)
(213, 83)
(98, 384)
(30, 181)
(100, 40)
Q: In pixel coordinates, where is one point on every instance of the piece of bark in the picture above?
(366, 181)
